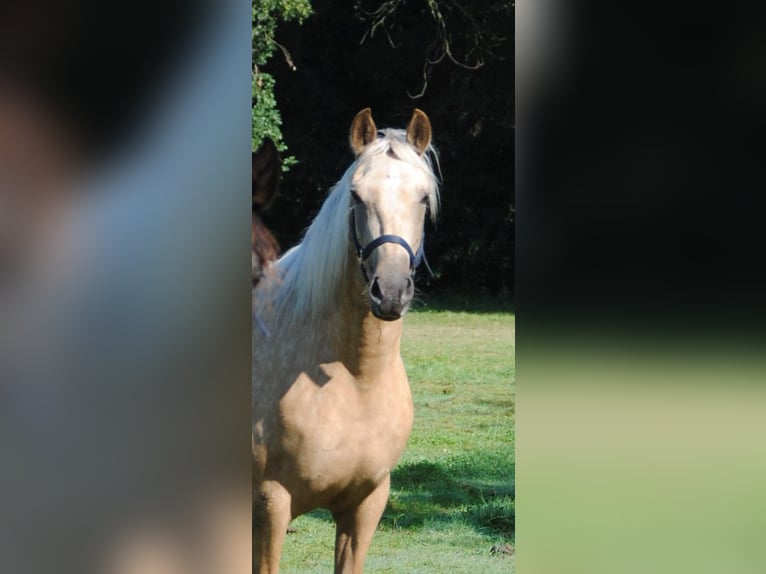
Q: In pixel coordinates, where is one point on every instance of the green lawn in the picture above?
(452, 494)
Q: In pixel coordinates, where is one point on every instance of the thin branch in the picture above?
(426, 70)
(285, 53)
(390, 39)
(480, 43)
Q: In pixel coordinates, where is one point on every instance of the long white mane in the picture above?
(309, 272)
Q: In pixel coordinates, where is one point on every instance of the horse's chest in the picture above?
(340, 437)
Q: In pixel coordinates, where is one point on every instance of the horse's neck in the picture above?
(379, 348)
(366, 345)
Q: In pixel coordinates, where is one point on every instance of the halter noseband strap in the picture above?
(364, 252)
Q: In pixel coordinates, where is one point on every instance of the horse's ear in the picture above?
(266, 173)
(419, 131)
(363, 130)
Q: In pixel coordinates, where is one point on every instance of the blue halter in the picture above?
(364, 252)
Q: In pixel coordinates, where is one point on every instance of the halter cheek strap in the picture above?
(364, 252)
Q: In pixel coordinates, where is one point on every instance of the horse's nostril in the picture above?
(375, 290)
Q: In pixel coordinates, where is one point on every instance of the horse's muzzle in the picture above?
(391, 297)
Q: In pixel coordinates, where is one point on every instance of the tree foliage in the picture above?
(267, 14)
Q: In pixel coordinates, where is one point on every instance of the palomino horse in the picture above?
(332, 409)
(266, 171)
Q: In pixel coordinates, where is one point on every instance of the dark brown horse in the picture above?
(266, 175)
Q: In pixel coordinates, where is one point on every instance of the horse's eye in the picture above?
(424, 201)
(355, 197)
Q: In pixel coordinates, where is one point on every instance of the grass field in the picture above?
(452, 495)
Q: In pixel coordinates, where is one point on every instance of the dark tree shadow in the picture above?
(427, 492)
(424, 493)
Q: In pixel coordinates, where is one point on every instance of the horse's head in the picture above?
(391, 189)
(266, 175)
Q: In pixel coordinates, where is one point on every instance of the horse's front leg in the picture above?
(355, 528)
(271, 517)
